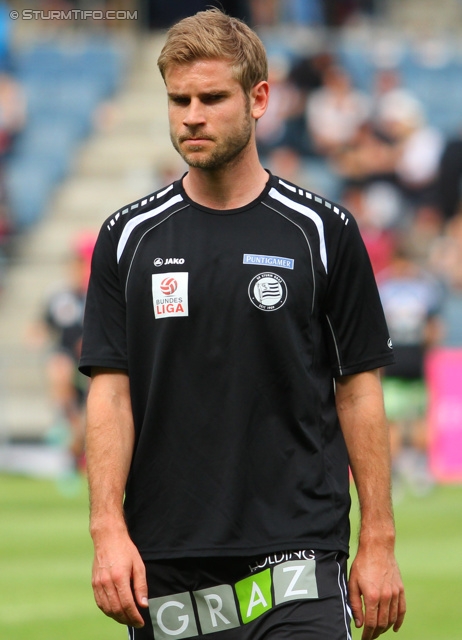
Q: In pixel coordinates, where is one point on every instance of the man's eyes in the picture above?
(179, 100)
(207, 99)
(215, 97)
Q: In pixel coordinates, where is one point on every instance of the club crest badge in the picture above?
(268, 291)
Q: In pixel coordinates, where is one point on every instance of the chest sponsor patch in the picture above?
(267, 291)
(268, 261)
(170, 294)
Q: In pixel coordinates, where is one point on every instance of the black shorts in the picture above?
(298, 595)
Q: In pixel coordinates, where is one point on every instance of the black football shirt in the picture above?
(232, 325)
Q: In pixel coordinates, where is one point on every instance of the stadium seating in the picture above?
(63, 85)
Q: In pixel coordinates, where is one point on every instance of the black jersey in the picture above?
(232, 325)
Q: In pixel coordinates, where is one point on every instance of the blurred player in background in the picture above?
(412, 299)
(61, 326)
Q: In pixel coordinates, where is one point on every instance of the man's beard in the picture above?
(224, 152)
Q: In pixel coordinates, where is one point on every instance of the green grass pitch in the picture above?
(45, 564)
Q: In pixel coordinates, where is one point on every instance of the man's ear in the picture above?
(259, 96)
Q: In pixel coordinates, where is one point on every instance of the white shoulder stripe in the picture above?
(309, 213)
(162, 193)
(130, 226)
(288, 186)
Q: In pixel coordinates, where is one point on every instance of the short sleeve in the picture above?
(356, 329)
(104, 332)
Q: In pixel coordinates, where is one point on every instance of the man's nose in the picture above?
(195, 114)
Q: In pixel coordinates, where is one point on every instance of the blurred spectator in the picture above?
(450, 178)
(61, 327)
(12, 113)
(377, 235)
(367, 157)
(334, 13)
(5, 242)
(418, 147)
(386, 81)
(424, 226)
(288, 161)
(12, 121)
(307, 72)
(302, 12)
(286, 102)
(335, 112)
(159, 14)
(339, 12)
(446, 260)
(411, 298)
(305, 75)
(264, 13)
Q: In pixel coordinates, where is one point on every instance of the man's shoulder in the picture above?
(299, 199)
(145, 207)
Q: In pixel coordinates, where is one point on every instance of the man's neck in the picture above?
(229, 188)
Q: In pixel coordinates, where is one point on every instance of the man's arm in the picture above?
(375, 581)
(119, 576)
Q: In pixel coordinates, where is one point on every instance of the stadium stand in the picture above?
(71, 168)
(63, 86)
(96, 137)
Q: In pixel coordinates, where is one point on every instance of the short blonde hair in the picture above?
(210, 35)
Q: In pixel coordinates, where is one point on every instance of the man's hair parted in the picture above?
(210, 35)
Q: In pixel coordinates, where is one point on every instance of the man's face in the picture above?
(210, 117)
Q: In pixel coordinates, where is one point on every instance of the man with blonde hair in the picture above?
(233, 334)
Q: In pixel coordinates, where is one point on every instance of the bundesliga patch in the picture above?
(267, 291)
(170, 294)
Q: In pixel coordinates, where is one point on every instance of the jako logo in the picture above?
(168, 286)
(158, 262)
